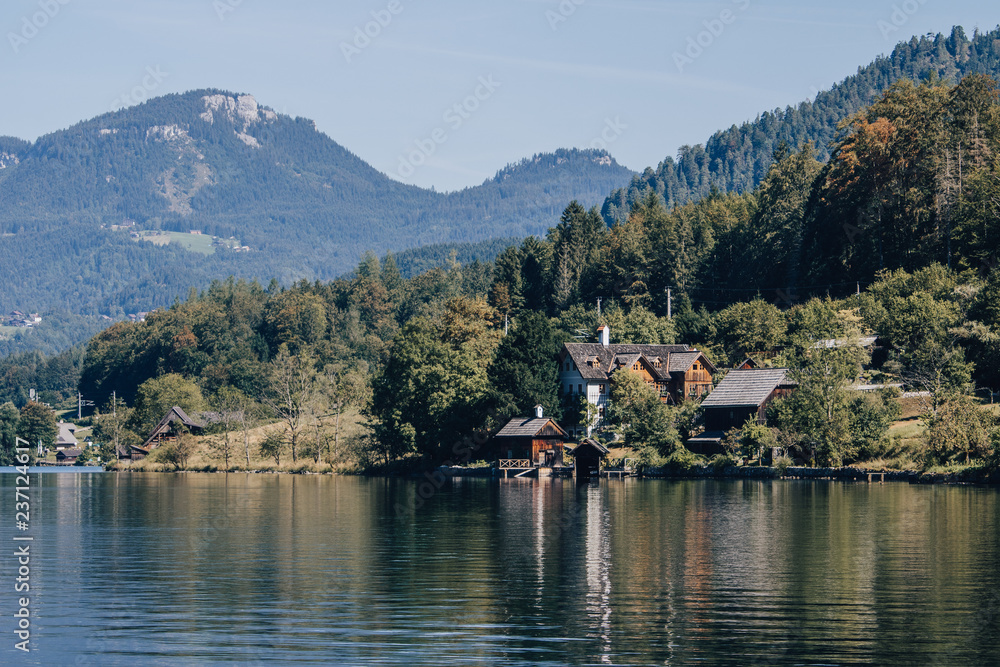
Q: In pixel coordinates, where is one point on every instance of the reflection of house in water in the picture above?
(598, 565)
(559, 546)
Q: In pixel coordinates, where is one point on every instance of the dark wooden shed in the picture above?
(68, 457)
(588, 456)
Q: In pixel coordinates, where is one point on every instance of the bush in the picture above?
(682, 460)
(722, 461)
(781, 465)
(647, 457)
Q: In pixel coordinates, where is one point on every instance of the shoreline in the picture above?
(843, 474)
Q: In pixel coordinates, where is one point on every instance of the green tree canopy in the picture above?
(37, 424)
(157, 395)
(525, 371)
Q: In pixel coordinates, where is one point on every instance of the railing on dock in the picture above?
(515, 464)
(625, 469)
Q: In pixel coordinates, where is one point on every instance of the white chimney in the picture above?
(604, 335)
(538, 411)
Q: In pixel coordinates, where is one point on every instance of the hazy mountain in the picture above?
(226, 166)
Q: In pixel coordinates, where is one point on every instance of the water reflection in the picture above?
(192, 569)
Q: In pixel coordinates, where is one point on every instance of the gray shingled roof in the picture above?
(590, 442)
(679, 363)
(746, 388)
(675, 356)
(66, 437)
(527, 427)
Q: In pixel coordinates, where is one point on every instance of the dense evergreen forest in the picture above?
(889, 238)
(738, 159)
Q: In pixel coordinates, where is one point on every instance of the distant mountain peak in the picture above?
(236, 108)
(556, 160)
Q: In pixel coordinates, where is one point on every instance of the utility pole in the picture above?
(81, 404)
(598, 306)
(670, 304)
(859, 288)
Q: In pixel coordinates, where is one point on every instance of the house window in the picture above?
(602, 388)
(579, 388)
(567, 365)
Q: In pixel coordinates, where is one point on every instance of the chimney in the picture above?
(538, 411)
(604, 335)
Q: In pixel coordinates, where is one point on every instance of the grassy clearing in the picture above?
(207, 455)
(199, 243)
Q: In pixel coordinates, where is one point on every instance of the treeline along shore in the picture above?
(872, 278)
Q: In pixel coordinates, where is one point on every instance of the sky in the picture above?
(444, 93)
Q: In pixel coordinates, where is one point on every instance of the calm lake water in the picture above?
(253, 569)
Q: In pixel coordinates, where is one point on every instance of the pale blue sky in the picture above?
(556, 83)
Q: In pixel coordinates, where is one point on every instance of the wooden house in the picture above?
(742, 395)
(173, 424)
(530, 442)
(677, 372)
(587, 457)
(68, 457)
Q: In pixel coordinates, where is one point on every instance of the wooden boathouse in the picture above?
(527, 444)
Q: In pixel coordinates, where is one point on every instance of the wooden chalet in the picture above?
(742, 395)
(677, 372)
(530, 442)
(587, 457)
(68, 457)
(173, 424)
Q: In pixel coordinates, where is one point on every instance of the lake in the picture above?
(274, 569)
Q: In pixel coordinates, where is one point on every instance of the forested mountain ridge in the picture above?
(737, 159)
(226, 166)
